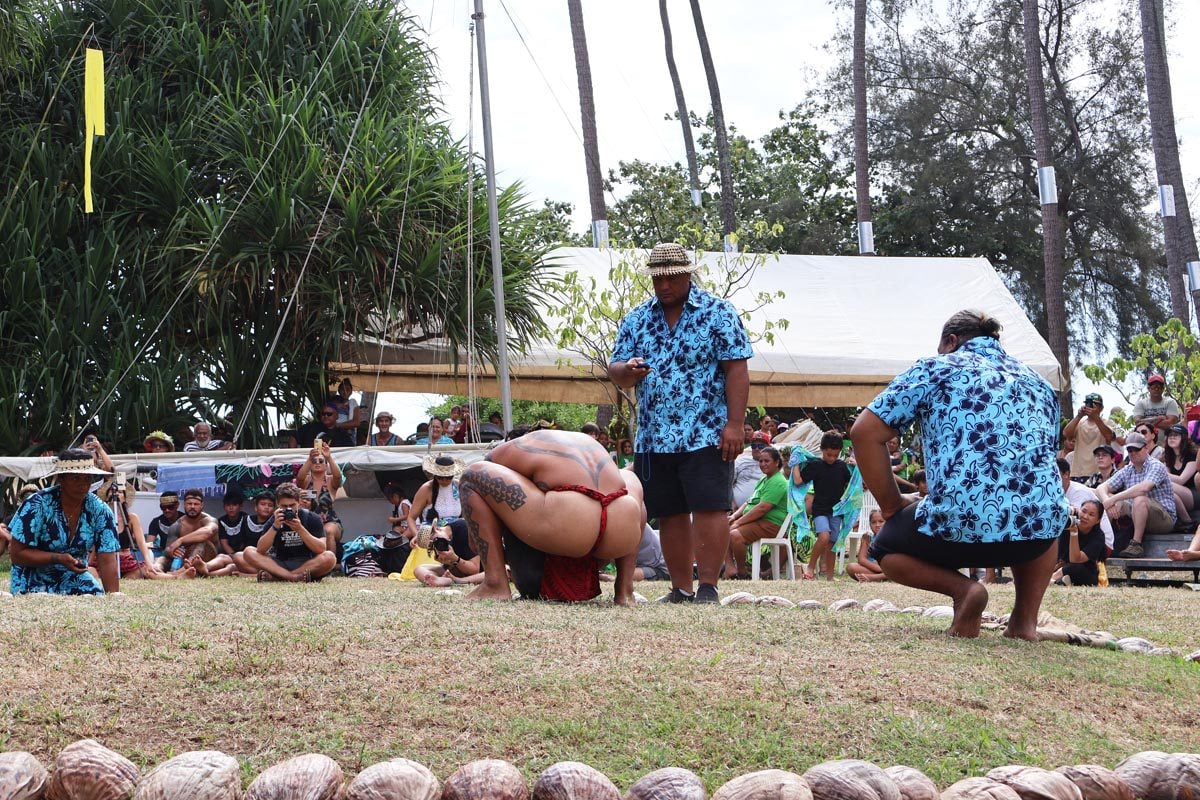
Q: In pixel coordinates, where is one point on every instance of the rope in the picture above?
(316, 236)
(200, 264)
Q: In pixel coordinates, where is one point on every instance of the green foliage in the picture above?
(567, 416)
(1170, 351)
(588, 315)
(236, 170)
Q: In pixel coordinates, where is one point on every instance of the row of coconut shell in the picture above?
(86, 770)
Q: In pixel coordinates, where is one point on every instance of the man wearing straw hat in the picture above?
(53, 532)
(686, 350)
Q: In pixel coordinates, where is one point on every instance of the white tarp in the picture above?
(855, 322)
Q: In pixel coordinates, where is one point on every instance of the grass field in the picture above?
(267, 672)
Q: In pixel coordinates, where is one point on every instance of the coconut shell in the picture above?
(398, 779)
(1035, 783)
(767, 784)
(308, 777)
(1162, 776)
(938, 612)
(573, 780)
(87, 770)
(850, 779)
(844, 605)
(197, 775)
(875, 605)
(980, 789)
(775, 600)
(810, 605)
(486, 779)
(669, 783)
(1097, 783)
(912, 783)
(22, 777)
(738, 598)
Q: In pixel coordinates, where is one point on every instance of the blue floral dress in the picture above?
(40, 523)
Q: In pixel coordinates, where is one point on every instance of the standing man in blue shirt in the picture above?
(989, 425)
(686, 350)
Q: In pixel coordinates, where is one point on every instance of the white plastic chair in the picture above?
(778, 545)
(855, 536)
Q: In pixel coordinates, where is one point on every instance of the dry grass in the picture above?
(267, 672)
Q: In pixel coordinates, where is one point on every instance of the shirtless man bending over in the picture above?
(550, 503)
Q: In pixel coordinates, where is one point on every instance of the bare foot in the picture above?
(1026, 633)
(624, 599)
(190, 572)
(485, 592)
(198, 564)
(968, 612)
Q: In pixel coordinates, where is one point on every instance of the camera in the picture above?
(288, 514)
(442, 545)
(1074, 518)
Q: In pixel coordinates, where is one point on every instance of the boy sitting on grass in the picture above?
(865, 568)
(829, 477)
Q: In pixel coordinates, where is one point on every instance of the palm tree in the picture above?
(689, 144)
(587, 110)
(1178, 235)
(728, 217)
(1052, 224)
(862, 183)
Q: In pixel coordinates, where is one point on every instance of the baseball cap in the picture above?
(1104, 449)
(1156, 379)
(1181, 430)
(760, 436)
(1093, 399)
(1135, 441)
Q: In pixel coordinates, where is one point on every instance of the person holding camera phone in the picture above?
(450, 544)
(294, 548)
(1089, 430)
(320, 474)
(1081, 547)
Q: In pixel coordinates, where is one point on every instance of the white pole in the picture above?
(485, 108)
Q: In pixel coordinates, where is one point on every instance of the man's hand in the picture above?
(732, 440)
(70, 562)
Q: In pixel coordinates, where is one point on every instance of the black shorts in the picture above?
(680, 483)
(900, 535)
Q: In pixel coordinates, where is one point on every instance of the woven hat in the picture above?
(66, 465)
(160, 436)
(424, 537)
(669, 259)
(441, 466)
(387, 414)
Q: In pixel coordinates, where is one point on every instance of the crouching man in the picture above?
(293, 548)
(549, 504)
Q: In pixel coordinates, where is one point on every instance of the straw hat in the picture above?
(424, 537)
(669, 259)
(441, 466)
(64, 464)
(162, 436)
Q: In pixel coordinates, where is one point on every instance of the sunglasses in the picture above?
(168, 508)
(1133, 449)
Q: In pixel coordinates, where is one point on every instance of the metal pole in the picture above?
(485, 108)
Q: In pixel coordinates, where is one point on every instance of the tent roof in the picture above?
(854, 323)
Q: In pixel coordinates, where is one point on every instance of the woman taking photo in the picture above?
(320, 475)
(438, 497)
(760, 516)
(1081, 548)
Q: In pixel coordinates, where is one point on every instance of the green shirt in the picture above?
(771, 490)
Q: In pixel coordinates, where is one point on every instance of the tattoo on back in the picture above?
(511, 494)
(593, 466)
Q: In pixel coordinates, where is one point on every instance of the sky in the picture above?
(767, 54)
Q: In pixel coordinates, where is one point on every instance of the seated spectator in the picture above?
(767, 426)
(592, 430)
(253, 526)
(1141, 490)
(457, 562)
(1156, 409)
(438, 498)
(829, 476)
(623, 457)
(384, 437)
(746, 472)
(1179, 456)
(604, 441)
(191, 542)
(493, 429)
(1089, 430)
(901, 467)
(158, 442)
(1104, 455)
(919, 480)
(1081, 548)
(23, 494)
(466, 432)
(435, 435)
(56, 528)
(760, 516)
(454, 425)
(294, 547)
(1077, 494)
(651, 564)
(1152, 435)
(156, 531)
(864, 568)
(202, 440)
(1067, 451)
(349, 415)
(102, 462)
(324, 427)
(134, 559)
(1192, 553)
(398, 519)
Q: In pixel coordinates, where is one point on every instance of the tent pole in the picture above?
(485, 107)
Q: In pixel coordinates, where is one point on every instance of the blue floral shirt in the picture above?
(989, 428)
(40, 523)
(681, 401)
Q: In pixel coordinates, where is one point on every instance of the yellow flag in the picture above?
(93, 116)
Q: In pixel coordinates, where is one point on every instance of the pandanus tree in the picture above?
(273, 186)
(862, 181)
(681, 109)
(720, 132)
(587, 111)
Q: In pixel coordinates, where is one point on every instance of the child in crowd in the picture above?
(829, 477)
(866, 568)
(918, 479)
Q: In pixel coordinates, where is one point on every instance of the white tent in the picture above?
(855, 322)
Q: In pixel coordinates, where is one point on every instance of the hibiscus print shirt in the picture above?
(989, 427)
(681, 402)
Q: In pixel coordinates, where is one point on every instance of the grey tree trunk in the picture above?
(862, 183)
(1052, 223)
(587, 110)
(1178, 234)
(728, 217)
(689, 144)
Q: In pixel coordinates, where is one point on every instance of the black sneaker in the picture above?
(1134, 550)
(706, 593)
(677, 596)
